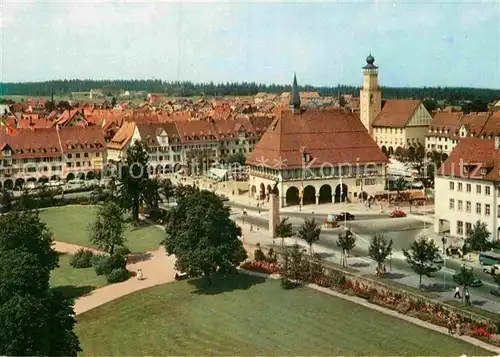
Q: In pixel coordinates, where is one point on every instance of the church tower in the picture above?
(295, 97)
(370, 96)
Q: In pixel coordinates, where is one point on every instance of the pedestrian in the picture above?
(251, 227)
(139, 274)
(467, 297)
(450, 326)
(457, 293)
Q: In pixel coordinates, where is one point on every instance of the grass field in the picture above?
(74, 282)
(70, 224)
(244, 315)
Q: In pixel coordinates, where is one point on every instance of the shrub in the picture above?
(122, 251)
(115, 261)
(287, 284)
(99, 263)
(117, 275)
(259, 256)
(81, 259)
(271, 256)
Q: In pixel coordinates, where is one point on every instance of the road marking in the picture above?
(448, 270)
(366, 259)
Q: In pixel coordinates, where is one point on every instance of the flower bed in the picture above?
(261, 267)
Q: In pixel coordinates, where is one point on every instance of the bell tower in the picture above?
(370, 95)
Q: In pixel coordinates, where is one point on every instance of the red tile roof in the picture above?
(150, 131)
(473, 122)
(329, 136)
(474, 153)
(396, 113)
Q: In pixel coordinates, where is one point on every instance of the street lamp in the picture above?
(443, 240)
(301, 192)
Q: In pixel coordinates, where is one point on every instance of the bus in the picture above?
(489, 258)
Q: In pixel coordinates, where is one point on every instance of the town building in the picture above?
(51, 154)
(442, 134)
(399, 124)
(316, 156)
(467, 188)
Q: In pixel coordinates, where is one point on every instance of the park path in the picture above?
(157, 268)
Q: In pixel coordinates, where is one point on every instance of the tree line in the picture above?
(188, 88)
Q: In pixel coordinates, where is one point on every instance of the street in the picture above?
(402, 231)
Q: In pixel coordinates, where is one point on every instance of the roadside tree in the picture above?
(478, 238)
(421, 256)
(464, 278)
(379, 249)
(309, 231)
(346, 241)
(168, 189)
(284, 230)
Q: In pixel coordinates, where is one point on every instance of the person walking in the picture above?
(467, 297)
(457, 293)
(450, 326)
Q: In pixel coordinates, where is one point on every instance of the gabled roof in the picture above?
(150, 131)
(122, 136)
(475, 153)
(474, 122)
(329, 136)
(396, 113)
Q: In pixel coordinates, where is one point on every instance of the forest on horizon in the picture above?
(187, 89)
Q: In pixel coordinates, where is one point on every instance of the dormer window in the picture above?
(466, 169)
(483, 171)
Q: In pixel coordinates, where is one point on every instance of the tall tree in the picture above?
(202, 236)
(106, 232)
(284, 230)
(6, 199)
(309, 231)
(151, 192)
(421, 256)
(464, 278)
(379, 249)
(133, 178)
(238, 158)
(347, 241)
(35, 320)
(168, 189)
(478, 238)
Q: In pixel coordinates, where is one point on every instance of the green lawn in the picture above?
(246, 315)
(70, 224)
(74, 282)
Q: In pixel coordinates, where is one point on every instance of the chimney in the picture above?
(497, 142)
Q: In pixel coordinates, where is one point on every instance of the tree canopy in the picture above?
(202, 236)
(107, 231)
(34, 319)
(347, 241)
(133, 178)
(421, 256)
(478, 238)
(309, 231)
(284, 229)
(379, 248)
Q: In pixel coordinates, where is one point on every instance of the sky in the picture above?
(415, 43)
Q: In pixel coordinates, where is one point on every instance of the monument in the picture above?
(274, 210)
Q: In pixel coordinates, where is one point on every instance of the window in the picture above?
(452, 185)
(487, 190)
(468, 188)
(478, 189)
(69, 156)
(78, 155)
(468, 227)
(452, 203)
(460, 205)
(97, 154)
(460, 187)
(460, 227)
(487, 210)
(483, 171)
(86, 154)
(468, 206)
(478, 208)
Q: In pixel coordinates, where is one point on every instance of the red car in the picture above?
(397, 213)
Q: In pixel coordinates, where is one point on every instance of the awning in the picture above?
(218, 173)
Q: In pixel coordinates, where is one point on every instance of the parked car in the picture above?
(223, 198)
(438, 259)
(492, 269)
(476, 282)
(397, 213)
(344, 216)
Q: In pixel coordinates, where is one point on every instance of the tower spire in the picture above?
(295, 96)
